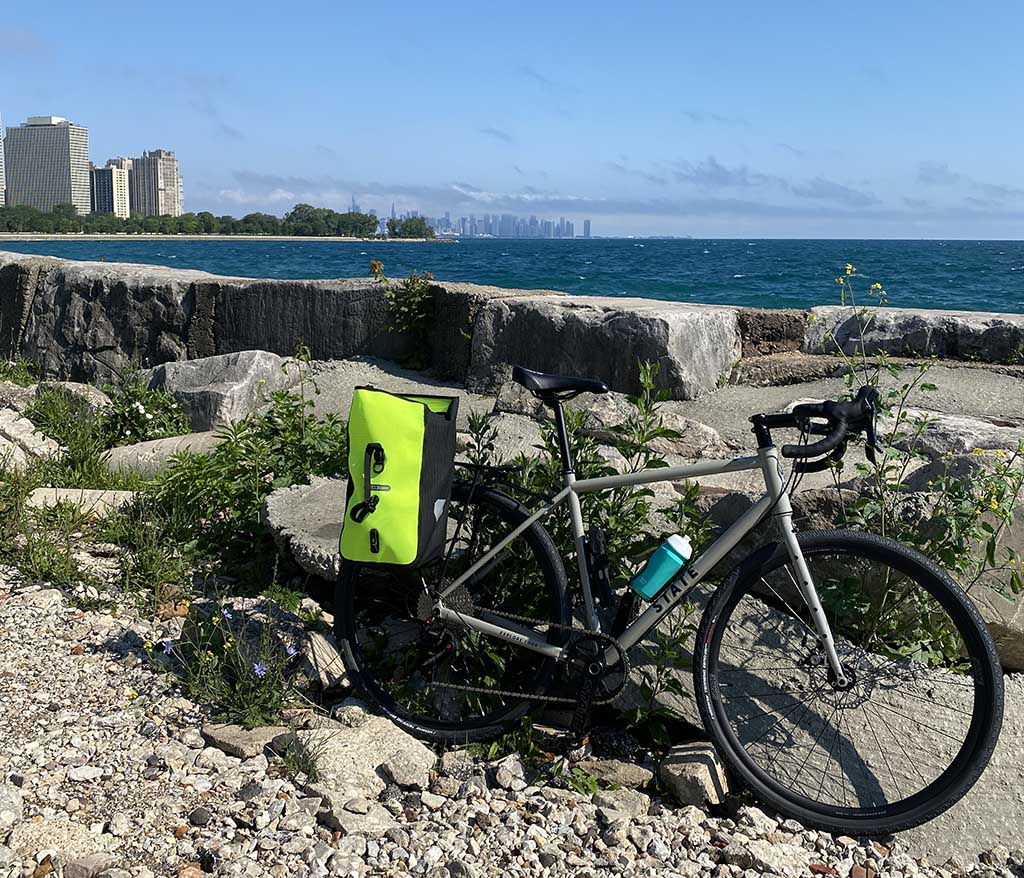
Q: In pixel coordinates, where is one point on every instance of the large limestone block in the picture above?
(968, 335)
(216, 391)
(695, 345)
(89, 320)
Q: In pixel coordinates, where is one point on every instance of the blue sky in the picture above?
(802, 119)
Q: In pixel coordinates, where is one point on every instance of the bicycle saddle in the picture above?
(544, 384)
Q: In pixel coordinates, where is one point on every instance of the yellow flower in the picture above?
(132, 693)
(979, 450)
(1000, 453)
(876, 286)
(993, 504)
(849, 268)
(812, 317)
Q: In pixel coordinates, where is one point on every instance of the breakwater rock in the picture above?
(91, 320)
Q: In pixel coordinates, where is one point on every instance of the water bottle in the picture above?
(665, 563)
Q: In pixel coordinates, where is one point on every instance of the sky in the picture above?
(743, 119)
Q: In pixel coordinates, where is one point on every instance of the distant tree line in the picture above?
(303, 219)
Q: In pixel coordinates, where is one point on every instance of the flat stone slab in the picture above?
(338, 379)
(97, 503)
(350, 754)
(149, 458)
(305, 520)
(237, 741)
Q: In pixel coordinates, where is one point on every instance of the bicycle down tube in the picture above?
(775, 498)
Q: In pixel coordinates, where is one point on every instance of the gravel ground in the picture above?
(104, 772)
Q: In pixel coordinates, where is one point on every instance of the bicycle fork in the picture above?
(774, 478)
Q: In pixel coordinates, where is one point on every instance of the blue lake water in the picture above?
(962, 275)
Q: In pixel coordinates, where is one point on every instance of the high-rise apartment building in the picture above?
(110, 192)
(3, 177)
(586, 228)
(48, 164)
(156, 185)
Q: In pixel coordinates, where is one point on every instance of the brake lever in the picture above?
(872, 447)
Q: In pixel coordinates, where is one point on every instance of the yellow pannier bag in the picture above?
(401, 453)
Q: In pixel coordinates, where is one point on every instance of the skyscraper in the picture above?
(48, 164)
(586, 228)
(156, 185)
(3, 178)
(110, 193)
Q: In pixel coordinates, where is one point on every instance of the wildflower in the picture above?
(876, 286)
(131, 693)
(850, 269)
(993, 504)
(167, 647)
(291, 650)
(259, 669)
(979, 450)
(1000, 453)
(149, 416)
(226, 613)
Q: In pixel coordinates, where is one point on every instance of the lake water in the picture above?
(962, 275)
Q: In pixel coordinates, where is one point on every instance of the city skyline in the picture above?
(694, 123)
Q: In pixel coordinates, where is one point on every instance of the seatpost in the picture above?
(563, 438)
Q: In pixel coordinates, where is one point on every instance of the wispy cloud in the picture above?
(792, 150)
(206, 92)
(936, 174)
(498, 134)
(712, 174)
(622, 168)
(827, 190)
(940, 174)
(704, 117)
(18, 42)
(543, 81)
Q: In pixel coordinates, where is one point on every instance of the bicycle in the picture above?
(813, 659)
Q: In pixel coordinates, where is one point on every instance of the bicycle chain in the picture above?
(533, 696)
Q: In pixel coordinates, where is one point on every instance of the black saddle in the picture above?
(551, 387)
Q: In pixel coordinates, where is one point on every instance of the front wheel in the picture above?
(903, 738)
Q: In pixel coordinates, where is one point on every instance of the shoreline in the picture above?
(146, 236)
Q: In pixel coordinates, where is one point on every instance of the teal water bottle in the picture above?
(665, 563)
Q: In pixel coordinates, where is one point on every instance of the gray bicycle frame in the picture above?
(775, 500)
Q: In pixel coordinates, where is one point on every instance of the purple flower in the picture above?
(167, 647)
(259, 669)
(291, 650)
(226, 613)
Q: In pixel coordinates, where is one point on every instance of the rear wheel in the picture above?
(442, 681)
(898, 742)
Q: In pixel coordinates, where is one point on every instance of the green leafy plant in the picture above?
(19, 370)
(410, 307)
(233, 664)
(961, 521)
(138, 413)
